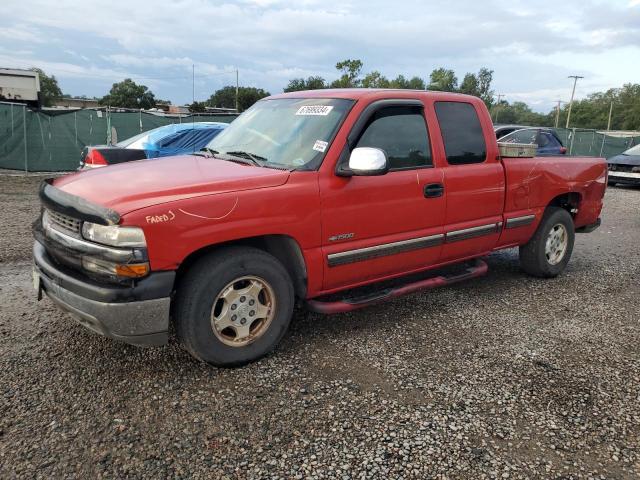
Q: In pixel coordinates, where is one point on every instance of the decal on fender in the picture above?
(164, 217)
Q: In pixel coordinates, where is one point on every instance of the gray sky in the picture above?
(531, 45)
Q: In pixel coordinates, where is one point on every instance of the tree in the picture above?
(593, 111)
(226, 97)
(350, 72)
(485, 77)
(375, 80)
(49, 89)
(518, 113)
(469, 85)
(416, 83)
(311, 83)
(443, 80)
(128, 94)
(197, 107)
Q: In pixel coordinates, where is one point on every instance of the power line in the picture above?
(558, 112)
(575, 80)
(500, 95)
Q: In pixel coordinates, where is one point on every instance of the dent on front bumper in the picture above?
(138, 314)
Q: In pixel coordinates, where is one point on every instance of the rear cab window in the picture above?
(462, 134)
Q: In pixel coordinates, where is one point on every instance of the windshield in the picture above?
(287, 132)
(633, 150)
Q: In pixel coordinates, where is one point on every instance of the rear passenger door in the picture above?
(474, 184)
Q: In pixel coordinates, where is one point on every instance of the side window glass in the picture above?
(520, 136)
(461, 133)
(402, 133)
(543, 139)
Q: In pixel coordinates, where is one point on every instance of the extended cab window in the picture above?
(402, 133)
(461, 133)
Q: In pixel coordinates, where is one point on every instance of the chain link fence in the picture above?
(51, 140)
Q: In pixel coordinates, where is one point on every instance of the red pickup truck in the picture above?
(332, 199)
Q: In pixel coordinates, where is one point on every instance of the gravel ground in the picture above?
(502, 377)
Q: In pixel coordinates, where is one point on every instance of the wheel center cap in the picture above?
(243, 311)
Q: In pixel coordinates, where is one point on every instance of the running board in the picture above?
(476, 269)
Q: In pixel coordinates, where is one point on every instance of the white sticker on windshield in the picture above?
(320, 146)
(314, 110)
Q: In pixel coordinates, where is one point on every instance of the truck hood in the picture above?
(133, 185)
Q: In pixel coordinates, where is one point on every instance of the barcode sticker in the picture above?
(322, 110)
(320, 146)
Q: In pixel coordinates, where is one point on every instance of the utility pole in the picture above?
(193, 84)
(558, 112)
(237, 88)
(500, 95)
(575, 80)
(610, 112)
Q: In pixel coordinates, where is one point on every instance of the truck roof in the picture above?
(375, 93)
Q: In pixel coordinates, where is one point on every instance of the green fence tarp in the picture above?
(50, 141)
(590, 143)
(41, 141)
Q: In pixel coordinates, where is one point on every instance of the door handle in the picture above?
(433, 190)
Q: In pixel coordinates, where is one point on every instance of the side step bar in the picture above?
(477, 269)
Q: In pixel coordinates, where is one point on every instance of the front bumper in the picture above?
(138, 314)
(626, 178)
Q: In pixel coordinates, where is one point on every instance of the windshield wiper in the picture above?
(204, 152)
(256, 159)
(209, 150)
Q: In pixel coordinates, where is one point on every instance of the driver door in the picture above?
(380, 226)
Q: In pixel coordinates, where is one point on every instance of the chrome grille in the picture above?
(63, 222)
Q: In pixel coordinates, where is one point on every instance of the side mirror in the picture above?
(367, 161)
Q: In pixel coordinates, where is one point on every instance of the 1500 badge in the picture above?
(342, 236)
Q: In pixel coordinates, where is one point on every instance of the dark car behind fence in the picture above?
(52, 140)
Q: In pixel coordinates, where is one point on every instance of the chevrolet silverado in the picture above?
(329, 199)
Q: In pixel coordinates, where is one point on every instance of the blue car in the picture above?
(175, 139)
(546, 138)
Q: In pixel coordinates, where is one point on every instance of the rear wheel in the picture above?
(233, 306)
(549, 250)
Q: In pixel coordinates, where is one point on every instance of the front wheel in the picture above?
(549, 250)
(233, 306)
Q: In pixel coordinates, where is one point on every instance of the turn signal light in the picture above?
(133, 270)
(110, 269)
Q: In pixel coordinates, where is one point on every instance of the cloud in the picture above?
(530, 46)
(21, 33)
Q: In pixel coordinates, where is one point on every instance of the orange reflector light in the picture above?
(133, 270)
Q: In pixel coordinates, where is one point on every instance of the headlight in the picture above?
(114, 235)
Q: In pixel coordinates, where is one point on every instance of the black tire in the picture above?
(533, 258)
(202, 284)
